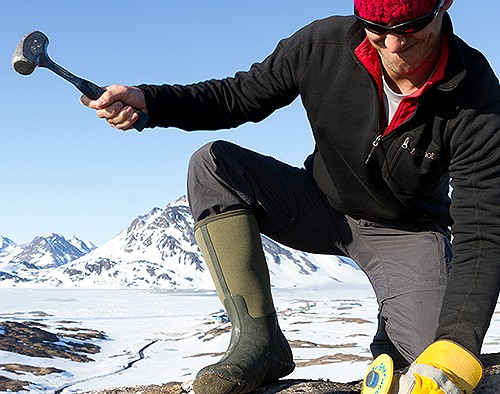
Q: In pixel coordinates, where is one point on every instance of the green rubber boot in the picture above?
(258, 351)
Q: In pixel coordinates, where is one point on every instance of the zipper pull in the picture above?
(406, 143)
(374, 146)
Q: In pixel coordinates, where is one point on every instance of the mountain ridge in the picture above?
(157, 250)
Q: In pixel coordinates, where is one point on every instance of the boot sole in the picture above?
(220, 384)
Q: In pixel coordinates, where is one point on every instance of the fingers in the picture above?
(118, 116)
(112, 94)
(110, 111)
(117, 105)
(86, 101)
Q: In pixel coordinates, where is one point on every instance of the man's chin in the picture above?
(399, 70)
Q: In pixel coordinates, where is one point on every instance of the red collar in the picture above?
(368, 56)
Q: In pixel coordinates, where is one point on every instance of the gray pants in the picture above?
(407, 266)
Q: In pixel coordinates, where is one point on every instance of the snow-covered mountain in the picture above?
(24, 262)
(158, 250)
(52, 250)
(5, 243)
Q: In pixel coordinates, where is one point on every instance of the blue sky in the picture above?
(65, 171)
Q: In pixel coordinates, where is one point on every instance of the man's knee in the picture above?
(204, 159)
(211, 161)
(210, 181)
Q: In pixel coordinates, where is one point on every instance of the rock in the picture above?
(33, 339)
(13, 385)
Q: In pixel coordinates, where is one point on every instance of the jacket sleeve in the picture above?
(220, 104)
(474, 281)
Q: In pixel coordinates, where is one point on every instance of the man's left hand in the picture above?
(442, 368)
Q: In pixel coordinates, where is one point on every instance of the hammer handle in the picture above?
(89, 89)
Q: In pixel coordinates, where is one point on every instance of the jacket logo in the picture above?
(421, 153)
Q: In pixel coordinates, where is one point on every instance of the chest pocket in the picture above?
(414, 169)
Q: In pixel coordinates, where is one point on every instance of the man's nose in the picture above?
(395, 42)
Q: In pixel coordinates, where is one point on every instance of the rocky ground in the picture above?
(33, 338)
(489, 385)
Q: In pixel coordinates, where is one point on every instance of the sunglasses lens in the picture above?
(414, 26)
(373, 27)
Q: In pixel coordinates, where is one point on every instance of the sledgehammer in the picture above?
(32, 52)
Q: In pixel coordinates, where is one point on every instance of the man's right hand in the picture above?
(118, 105)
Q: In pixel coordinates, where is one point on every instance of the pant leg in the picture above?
(382, 344)
(285, 200)
(408, 269)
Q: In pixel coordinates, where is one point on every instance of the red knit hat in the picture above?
(384, 11)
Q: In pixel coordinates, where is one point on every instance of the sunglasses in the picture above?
(408, 27)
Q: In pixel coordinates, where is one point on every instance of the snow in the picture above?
(173, 324)
(125, 288)
(170, 328)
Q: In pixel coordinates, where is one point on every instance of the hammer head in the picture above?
(29, 51)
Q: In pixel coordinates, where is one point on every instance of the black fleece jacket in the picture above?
(454, 134)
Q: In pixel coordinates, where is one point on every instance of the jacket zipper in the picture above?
(375, 143)
(405, 145)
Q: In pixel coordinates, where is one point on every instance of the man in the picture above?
(398, 105)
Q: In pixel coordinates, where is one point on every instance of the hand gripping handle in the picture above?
(93, 92)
